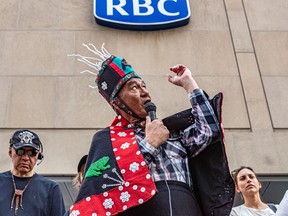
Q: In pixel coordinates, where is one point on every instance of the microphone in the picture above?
(151, 110)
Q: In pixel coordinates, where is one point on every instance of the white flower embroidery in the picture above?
(125, 145)
(108, 203)
(122, 134)
(125, 196)
(104, 85)
(74, 213)
(134, 167)
(94, 214)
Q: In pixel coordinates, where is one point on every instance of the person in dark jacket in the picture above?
(139, 166)
(24, 192)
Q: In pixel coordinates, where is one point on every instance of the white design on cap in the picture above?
(104, 85)
(26, 137)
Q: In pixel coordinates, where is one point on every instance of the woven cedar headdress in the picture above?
(113, 73)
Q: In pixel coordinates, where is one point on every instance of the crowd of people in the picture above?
(139, 165)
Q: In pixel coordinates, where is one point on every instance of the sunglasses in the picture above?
(30, 153)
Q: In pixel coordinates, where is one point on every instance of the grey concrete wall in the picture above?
(238, 47)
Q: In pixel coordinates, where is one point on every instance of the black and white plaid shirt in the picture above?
(170, 160)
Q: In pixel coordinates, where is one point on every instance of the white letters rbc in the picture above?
(111, 7)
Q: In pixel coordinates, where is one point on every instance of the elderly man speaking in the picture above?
(139, 166)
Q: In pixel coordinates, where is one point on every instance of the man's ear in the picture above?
(237, 189)
(10, 152)
(260, 184)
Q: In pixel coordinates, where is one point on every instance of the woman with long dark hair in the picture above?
(248, 185)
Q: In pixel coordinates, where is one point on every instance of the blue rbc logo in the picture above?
(142, 14)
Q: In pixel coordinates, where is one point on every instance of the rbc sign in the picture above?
(142, 14)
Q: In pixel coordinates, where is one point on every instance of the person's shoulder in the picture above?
(104, 130)
(5, 174)
(101, 133)
(273, 206)
(237, 209)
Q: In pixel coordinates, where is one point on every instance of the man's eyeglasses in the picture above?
(30, 153)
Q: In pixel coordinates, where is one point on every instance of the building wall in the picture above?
(238, 47)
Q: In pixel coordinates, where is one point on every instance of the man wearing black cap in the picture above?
(138, 167)
(24, 192)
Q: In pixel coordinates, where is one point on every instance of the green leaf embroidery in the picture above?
(98, 166)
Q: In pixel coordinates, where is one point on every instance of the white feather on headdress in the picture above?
(93, 62)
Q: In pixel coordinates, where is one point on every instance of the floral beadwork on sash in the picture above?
(133, 184)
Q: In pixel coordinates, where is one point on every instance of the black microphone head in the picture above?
(150, 106)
